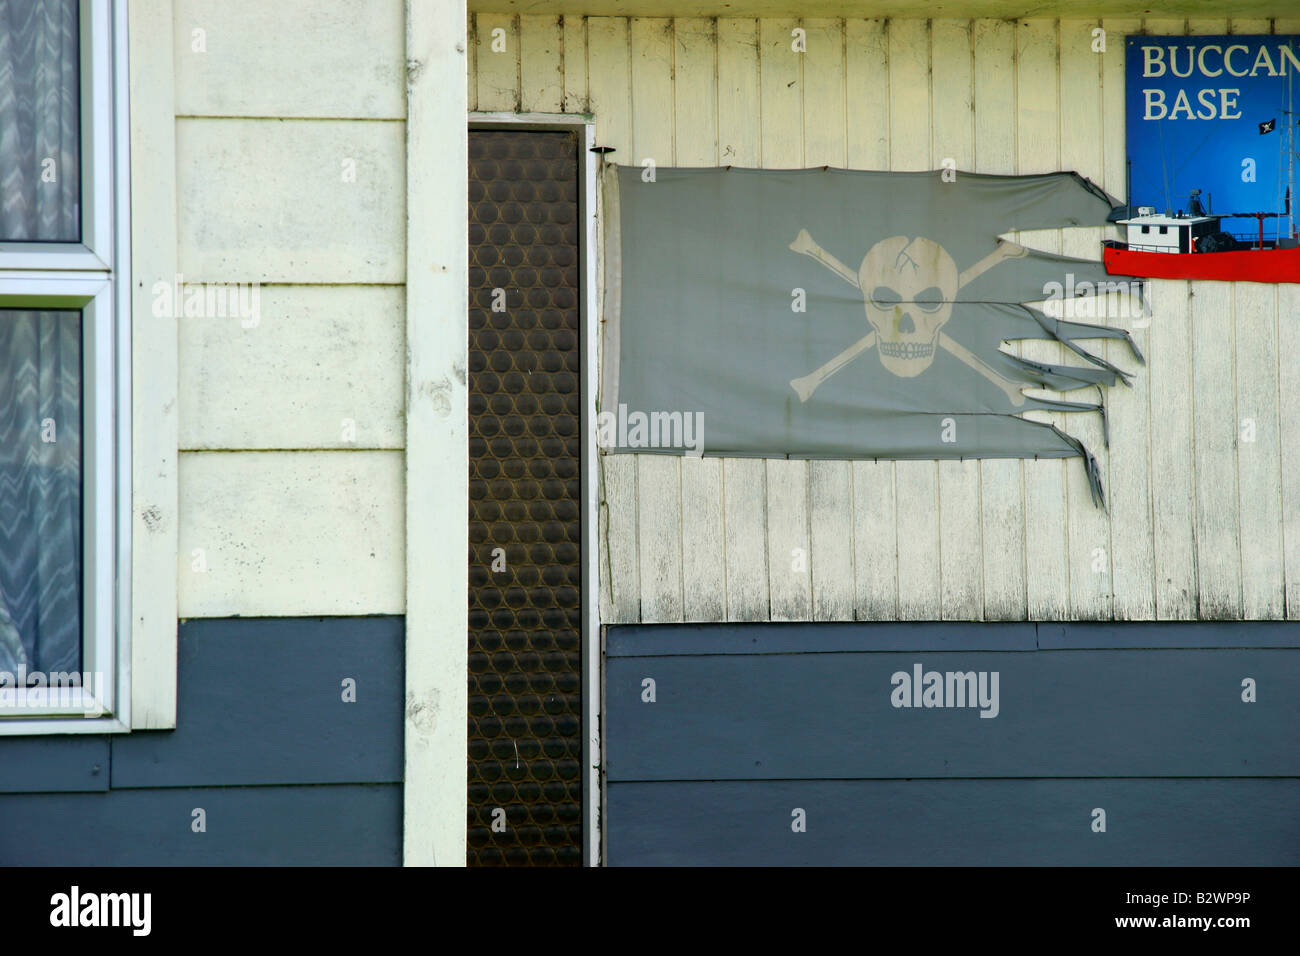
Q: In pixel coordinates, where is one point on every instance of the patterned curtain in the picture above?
(40, 491)
(40, 121)
(40, 352)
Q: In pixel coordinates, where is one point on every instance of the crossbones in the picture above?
(896, 273)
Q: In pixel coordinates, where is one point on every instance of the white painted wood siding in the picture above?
(1200, 524)
(291, 173)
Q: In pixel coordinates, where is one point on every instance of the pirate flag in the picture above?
(827, 313)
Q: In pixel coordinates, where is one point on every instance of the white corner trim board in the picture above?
(154, 506)
(437, 436)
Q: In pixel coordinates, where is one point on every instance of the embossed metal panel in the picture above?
(525, 636)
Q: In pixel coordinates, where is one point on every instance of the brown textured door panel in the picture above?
(525, 488)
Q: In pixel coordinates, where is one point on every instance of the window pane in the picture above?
(40, 121)
(40, 491)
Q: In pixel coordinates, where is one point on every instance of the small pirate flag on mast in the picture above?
(1268, 126)
(826, 313)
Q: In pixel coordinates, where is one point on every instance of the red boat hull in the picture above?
(1251, 265)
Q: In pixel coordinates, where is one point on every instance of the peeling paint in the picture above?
(152, 518)
(422, 712)
(439, 396)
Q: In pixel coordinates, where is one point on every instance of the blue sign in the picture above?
(1213, 113)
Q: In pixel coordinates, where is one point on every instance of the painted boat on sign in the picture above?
(1246, 265)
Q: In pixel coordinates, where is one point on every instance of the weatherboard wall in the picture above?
(291, 173)
(784, 744)
(285, 770)
(1201, 523)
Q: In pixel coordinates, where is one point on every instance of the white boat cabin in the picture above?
(1149, 232)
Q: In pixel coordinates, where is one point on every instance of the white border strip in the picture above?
(437, 435)
(151, 341)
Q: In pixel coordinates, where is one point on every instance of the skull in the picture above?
(908, 287)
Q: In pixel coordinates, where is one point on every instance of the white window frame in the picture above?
(93, 277)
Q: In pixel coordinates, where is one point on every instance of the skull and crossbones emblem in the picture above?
(908, 288)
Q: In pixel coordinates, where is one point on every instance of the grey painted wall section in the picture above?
(652, 640)
(262, 703)
(1144, 721)
(1060, 714)
(347, 825)
(285, 771)
(50, 764)
(955, 823)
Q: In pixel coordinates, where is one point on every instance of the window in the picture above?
(1164, 230)
(1145, 230)
(64, 368)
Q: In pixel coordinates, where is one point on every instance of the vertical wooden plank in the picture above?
(781, 143)
(875, 545)
(875, 542)
(1090, 548)
(659, 537)
(659, 501)
(609, 83)
(781, 95)
(574, 42)
(620, 586)
(1288, 318)
(953, 92)
(738, 93)
(1288, 330)
(994, 44)
(832, 540)
(831, 481)
(695, 138)
(471, 61)
(866, 81)
(1259, 465)
(744, 489)
(704, 573)
(1128, 493)
(744, 480)
(695, 92)
(541, 64)
(960, 547)
(610, 90)
(1169, 365)
(916, 493)
(909, 94)
(651, 43)
(824, 129)
(1038, 151)
(497, 58)
(1214, 434)
(916, 483)
(1002, 509)
(788, 544)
